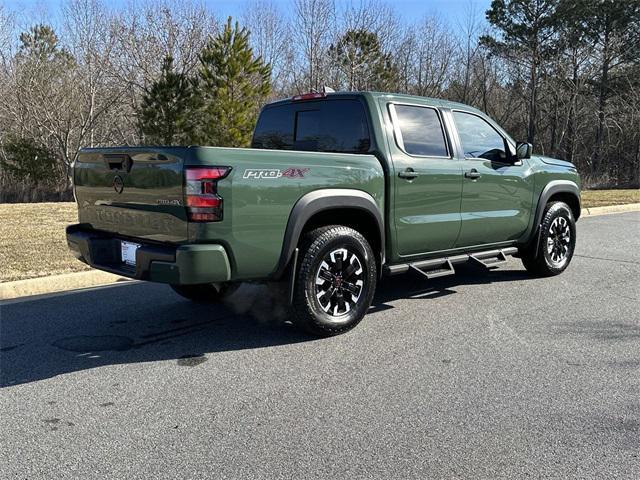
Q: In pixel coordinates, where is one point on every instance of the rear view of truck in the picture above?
(134, 209)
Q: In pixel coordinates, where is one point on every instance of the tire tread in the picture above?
(311, 245)
(533, 258)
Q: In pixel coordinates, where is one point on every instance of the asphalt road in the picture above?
(481, 375)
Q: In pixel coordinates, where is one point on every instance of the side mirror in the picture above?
(523, 150)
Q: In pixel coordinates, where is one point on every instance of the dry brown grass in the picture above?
(32, 240)
(602, 198)
(33, 243)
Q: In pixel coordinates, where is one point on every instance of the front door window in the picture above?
(479, 139)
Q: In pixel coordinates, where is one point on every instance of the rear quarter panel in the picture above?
(257, 205)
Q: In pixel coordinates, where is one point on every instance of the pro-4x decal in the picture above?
(268, 173)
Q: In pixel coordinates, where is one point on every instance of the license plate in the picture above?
(128, 251)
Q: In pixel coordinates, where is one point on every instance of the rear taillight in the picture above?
(201, 193)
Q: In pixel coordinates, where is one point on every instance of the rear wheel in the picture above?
(335, 282)
(557, 242)
(205, 292)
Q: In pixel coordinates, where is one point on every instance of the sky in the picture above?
(410, 9)
(453, 11)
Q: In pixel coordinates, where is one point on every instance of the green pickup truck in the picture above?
(337, 190)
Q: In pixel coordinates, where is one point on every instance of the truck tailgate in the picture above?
(133, 192)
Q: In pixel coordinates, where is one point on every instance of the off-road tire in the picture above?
(554, 249)
(328, 299)
(205, 292)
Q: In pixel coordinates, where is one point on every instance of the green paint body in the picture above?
(437, 213)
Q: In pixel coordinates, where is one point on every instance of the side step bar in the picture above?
(440, 267)
(434, 269)
(488, 261)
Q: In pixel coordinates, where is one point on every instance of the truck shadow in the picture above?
(122, 324)
(46, 337)
(413, 285)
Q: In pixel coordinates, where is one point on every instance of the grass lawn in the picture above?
(32, 240)
(33, 244)
(601, 198)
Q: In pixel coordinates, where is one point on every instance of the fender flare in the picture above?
(552, 188)
(317, 201)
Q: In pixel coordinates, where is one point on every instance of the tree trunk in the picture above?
(602, 104)
(554, 125)
(531, 131)
(571, 121)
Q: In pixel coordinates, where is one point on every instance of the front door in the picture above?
(496, 192)
(427, 180)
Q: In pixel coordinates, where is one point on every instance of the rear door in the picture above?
(427, 179)
(133, 192)
(496, 192)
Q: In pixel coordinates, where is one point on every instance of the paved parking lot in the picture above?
(480, 375)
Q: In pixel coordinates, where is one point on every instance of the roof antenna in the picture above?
(326, 89)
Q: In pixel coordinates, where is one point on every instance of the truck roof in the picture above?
(427, 101)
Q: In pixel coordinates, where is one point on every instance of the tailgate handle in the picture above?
(118, 162)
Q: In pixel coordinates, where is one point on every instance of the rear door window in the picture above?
(323, 126)
(421, 131)
(274, 130)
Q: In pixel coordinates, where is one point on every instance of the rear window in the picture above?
(323, 126)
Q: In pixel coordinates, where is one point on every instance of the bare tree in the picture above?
(6, 31)
(269, 37)
(432, 57)
(567, 78)
(468, 49)
(402, 51)
(89, 39)
(40, 103)
(373, 16)
(144, 36)
(313, 28)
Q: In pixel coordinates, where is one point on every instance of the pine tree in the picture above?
(528, 36)
(362, 62)
(232, 84)
(40, 45)
(166, 112)
(28, 161)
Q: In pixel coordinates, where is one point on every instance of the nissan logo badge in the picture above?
(118, 184)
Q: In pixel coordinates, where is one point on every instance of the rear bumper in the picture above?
(181, 265)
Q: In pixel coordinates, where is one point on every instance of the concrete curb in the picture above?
(94, 278)
(57, 283)
(629, 207)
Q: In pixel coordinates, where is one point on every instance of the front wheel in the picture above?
(335, 282)
(205, 292)
(557, 242)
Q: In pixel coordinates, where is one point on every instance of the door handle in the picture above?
(473, 174)
(408, 174)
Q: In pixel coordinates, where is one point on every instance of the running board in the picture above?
(488, 260)
(434, 269)
(440, 267)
